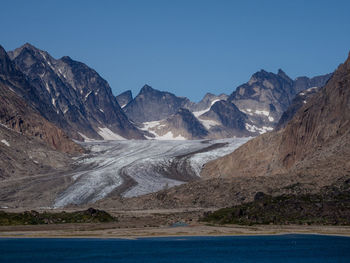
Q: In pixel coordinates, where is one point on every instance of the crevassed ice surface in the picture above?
(141, 160)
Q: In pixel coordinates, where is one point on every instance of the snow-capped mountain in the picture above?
(166, 116)
(266, 96)
(253, 108)
(73, 96)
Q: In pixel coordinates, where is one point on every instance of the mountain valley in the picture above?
(67, 141)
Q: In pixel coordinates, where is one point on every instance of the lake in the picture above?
(278, 248)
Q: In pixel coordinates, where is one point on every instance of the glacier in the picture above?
(148, 163)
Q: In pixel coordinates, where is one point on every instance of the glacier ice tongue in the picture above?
(110, 162)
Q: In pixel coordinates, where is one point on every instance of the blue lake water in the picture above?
(280, 248)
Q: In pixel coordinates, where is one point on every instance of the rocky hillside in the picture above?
(18, 115)
(300, 99)
(328, 207)
(73, 96)
(314, 144)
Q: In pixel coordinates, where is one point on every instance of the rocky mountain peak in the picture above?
(72, 95)
(283, 75)
(313, 147)
(124, 98)
(147, 88)
(6, 65)
(153, 105)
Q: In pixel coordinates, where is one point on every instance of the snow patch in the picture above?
(169, 136)
(87, 95)
(108, 135)
(101, 110)
(86, 139)
(209, 123)
(150, 124)
(147, 126)
(253, 128)
(312, 88)
(247, 111)
(262, 112)
(199, 113)
(271, 119)
(47, 87)
(5, 142)
(304, 101)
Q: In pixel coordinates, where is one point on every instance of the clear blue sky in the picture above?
(186, 47)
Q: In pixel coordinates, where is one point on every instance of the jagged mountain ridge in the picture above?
(74, 96)
(310, 153)
(154, 105)
(18, 115)
(252, 109)
(266, 96)
(314, 145)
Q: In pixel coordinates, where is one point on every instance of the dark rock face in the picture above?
(153, 105)
(299, 101)
(72, 95)
(124, 98)
(267, 95)
(232, 121)
(207, 101)
(304, 83)
(20, 116)
(183, 123)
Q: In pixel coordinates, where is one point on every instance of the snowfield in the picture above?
(146, 162)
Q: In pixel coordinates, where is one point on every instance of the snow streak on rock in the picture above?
(145, 162)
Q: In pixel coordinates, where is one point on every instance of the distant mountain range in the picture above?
(302, 167)
(46, 104)
(252, 109)
(77, 100)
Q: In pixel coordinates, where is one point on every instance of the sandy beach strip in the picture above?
(112, 231)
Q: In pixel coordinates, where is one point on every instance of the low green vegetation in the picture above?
(329, 207)
(35, 218)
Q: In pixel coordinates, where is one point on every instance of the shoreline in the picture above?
(173, 232)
